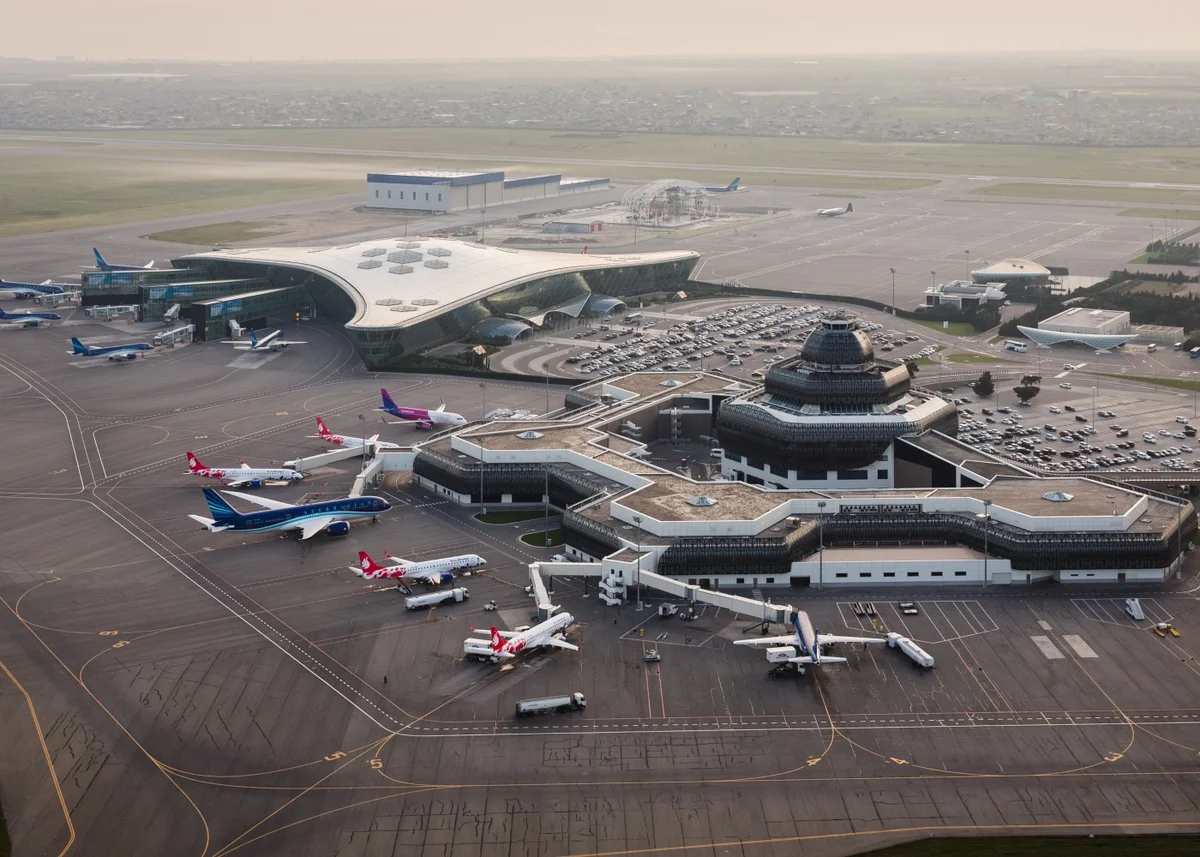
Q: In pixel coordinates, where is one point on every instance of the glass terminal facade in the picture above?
(251, 310)
(101, 288)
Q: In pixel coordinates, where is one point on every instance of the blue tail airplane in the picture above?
(736, 184)
(29, 290)
(309, 518)
(28, 319)
(129, 351)
(109, 266)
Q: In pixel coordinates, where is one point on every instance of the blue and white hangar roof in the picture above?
(400, 282)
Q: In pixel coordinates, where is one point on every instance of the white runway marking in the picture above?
(1047, 648)
(1081, 648)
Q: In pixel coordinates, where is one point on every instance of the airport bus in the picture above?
(1194, 353)
(1015, 345)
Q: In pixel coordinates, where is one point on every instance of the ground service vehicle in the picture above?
(551, 704)
(417, 602)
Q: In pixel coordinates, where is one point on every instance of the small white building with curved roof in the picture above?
(1012, 271)
(402, 296)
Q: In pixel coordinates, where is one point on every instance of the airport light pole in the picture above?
(893, 270)
(968, 252)
(546, 488)
(363, 427)
(821, 548)
(987, 520)
(934, 275)
(637, 585)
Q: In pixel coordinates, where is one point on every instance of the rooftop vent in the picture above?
(374, 251)
(425, 302)
(404, 256)
(439, 251)
(1058, 497)
(702, 501)
(529, 435)
(404, 308)
(436, 263)
(388, 302)
(400, 269)
(408, 245)
(670, 382)
(370, 263)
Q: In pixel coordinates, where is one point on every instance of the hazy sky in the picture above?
(423, 29)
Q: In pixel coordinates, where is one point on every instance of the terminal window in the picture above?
(864, 574)
(427, 196)
(439, 197)
(882, 474)
(377, 193)
(914, 574)
(389, 194)
(935, 574)
(960, 574)
(741, 580)
(840, 574)
(889, 574)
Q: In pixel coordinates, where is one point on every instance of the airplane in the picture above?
(424, 419)
(309, 518)
(244, 476)
(734, 185)
(509, 644)
(112, 352)
(270, 342)
(808, 642)
(836, 212)
(29, 319)
(431, 571)
(349, 441)
(32, 290)
(102, 265)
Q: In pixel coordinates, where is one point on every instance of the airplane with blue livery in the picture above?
(33, 290)
(806, 643)
(28, 319)
(129, 351)
(103, 265)
(733, 186)
(329, 516)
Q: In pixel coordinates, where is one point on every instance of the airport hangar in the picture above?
(401, 297)
(944, 513)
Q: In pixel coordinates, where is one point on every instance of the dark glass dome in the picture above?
(838, 342)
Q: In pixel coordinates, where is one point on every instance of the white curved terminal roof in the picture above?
(1099, 341)
(396, 282)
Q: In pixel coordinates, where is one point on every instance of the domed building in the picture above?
(829, 417)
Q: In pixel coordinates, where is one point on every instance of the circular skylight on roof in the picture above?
(408, 245)
(425, 302)
(702, 501)
(529, 435)
(670, 382)
(404, 308)
(1058, 497)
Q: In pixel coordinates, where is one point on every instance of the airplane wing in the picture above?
(261, 501)
(287, 342)
(213, 526)
(767, 642)
(834, 638)
(311, 526)
(805, 659)
(559, 642)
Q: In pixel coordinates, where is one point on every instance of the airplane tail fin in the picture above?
(322, 430)
(849, 207)
(733, 185)
(217, 505)
(3, 314)
(388, 404)
(442, 406)
(253, 339)
(100, 263)
(497, 640)
(78, 347)
(194, 464)
(367, 567)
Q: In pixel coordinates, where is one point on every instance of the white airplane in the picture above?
(349, 441)
(244, 476)
(270, 342)
(807, 642)
(431, 571)
(424, 418)
(509, 644)
(836, 212)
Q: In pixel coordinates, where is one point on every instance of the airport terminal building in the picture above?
(400, 298)
(967, 518)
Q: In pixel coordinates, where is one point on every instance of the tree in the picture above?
(1030, 380)
(1025, 393)
(984, 386)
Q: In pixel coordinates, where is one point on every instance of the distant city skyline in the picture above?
(226, 30)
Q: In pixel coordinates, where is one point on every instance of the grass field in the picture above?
(1173, 383)
(43, 194)
(1176, 165)
(538, 540)
(1093, 193)
(510, 517)
(1164, 845)
(220, 233)
(954, 328)
(1162, 214)
(976, 358)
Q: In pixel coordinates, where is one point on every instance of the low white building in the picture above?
(1103, 322)
(435, 190)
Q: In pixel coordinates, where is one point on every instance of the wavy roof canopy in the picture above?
(1099, 341)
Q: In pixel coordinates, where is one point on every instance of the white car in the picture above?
(1064, 385)
(1056, 410)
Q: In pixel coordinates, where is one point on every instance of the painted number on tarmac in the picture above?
(109, 633)
(120, 645)
(334, 756)
(377, 764)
